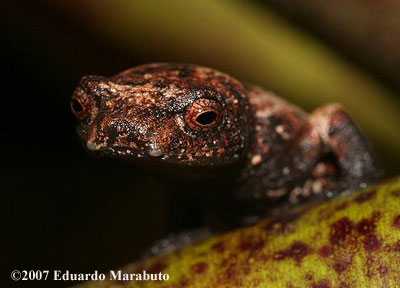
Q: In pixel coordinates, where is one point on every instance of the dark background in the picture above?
(65, 210)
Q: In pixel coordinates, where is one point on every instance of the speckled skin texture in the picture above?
(186, 116)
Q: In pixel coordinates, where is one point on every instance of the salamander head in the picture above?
(173, 113)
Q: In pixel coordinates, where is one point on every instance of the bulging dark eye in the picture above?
(206, 118)
(79, 108)
(204, 114)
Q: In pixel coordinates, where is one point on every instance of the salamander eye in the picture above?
(79, 108)
(204, 114)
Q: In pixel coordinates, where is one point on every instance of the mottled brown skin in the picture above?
(187, 116)
(151, 112)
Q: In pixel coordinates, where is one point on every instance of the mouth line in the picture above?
(121, 151)
(232, 148)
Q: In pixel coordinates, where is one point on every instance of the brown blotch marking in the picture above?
(342, 263)
(367, 228)
(374, 267)
(261, 257)
(341, 235)
(346, 236)
(139, 269)
(297, 251)
(383, 270)
(199, 267)
(309, 277)
(370, 267)
(342, 206)
(396, 247)
(324, 283)
(282, 224)
(184, 282)
(325, 251)
(341, 231)
(256, 282)
(219, 247)
(250, 244)
(371, 243)
(156, 268)
(365, 196)
(326, 213)
(246, 270)
(396, 193)
(231, 276)
(396, 221)
(230, 273)
(227, 261)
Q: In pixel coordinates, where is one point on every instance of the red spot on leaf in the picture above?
(246, 270)
(396, 221)
(371, 243)
(256, 282)
(199, 267)
(297, 252)
(370, 267)
(231, 277)
(309, 277)
(365, 196)
(219, 247)
(366, 228)
(342, 263)
(230, 273)
(346, 237)
(250, 244)
(139, 269)
(342, 206)
(383, 270)
(396, 193)
(396, 247)
(325, 251)
(184, 282)
(156, 268)
(341, 231)
(324, 283)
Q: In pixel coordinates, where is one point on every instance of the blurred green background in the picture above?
(79, 213)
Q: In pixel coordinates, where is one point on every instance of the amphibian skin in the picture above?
(186, 116)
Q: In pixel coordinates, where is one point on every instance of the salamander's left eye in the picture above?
(204, 114)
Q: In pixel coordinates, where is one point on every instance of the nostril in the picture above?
(154, 150)
(76, 106)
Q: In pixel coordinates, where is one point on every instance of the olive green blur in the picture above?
(249, 41)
